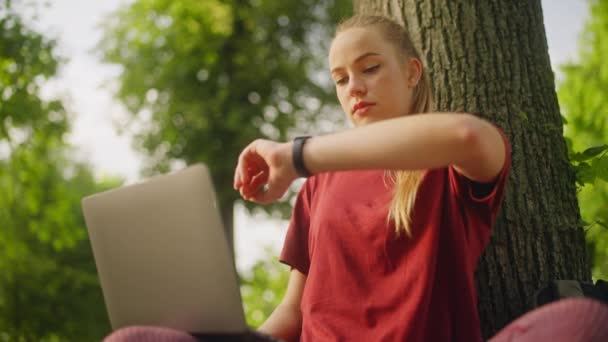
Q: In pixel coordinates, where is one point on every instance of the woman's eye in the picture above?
(372, 69)
(342, 80)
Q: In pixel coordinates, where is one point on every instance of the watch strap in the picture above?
(298, 156)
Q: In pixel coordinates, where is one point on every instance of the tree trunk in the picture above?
(491, 57)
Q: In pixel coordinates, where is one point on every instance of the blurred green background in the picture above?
(200, 79)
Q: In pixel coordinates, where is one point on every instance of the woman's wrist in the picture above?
(287, 159)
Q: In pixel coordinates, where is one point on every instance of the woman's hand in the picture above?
(264, 162)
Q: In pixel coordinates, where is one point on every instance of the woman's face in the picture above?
(373, 82)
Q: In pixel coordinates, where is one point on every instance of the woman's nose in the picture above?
(356, 87)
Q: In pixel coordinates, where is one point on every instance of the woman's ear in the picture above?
(414, 72)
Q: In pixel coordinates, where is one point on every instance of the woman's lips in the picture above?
(361, 111)
(362, 108)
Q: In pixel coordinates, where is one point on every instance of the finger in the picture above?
(274, 191)
(243, 171)
(258, 180)
(237, 180)
(242, 163)
(245, 192)
(256, 184)
(256, 166)
(239, 175)
(251, 173)
(252, 164)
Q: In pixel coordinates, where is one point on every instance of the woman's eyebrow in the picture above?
(365, 55)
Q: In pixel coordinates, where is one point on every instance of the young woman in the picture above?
(387, 230)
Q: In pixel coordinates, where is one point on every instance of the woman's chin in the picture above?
(363, 120)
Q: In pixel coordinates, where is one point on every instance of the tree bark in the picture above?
(491, 57)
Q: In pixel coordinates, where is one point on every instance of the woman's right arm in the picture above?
(285, 322)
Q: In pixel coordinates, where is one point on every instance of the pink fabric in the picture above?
(568, 320)
(149, 334)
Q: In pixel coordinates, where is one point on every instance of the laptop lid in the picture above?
(162, 255)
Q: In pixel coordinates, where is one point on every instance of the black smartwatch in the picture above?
(298, 157)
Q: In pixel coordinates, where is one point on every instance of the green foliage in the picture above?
(48, 285)
(210, 75)
(202, 79)
(582, 96)
(262, 288)
(26, 60)
(590, 165)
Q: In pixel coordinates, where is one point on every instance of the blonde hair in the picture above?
(406, 182)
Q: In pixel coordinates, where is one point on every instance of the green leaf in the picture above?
(523, 116)
(585, 174)
(578, 157)
(589, 153)
(594, 151)
(600, 166)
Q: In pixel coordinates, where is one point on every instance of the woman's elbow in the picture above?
(470, 135)
(483, 148)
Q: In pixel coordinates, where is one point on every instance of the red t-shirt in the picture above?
(363, 283)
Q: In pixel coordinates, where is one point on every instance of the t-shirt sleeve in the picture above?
(490, 194)
(295, 251)
(481, 201)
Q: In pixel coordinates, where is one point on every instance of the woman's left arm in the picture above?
(425, 141)
(472, 145)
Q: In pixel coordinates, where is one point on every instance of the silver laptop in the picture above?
(162, 255)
